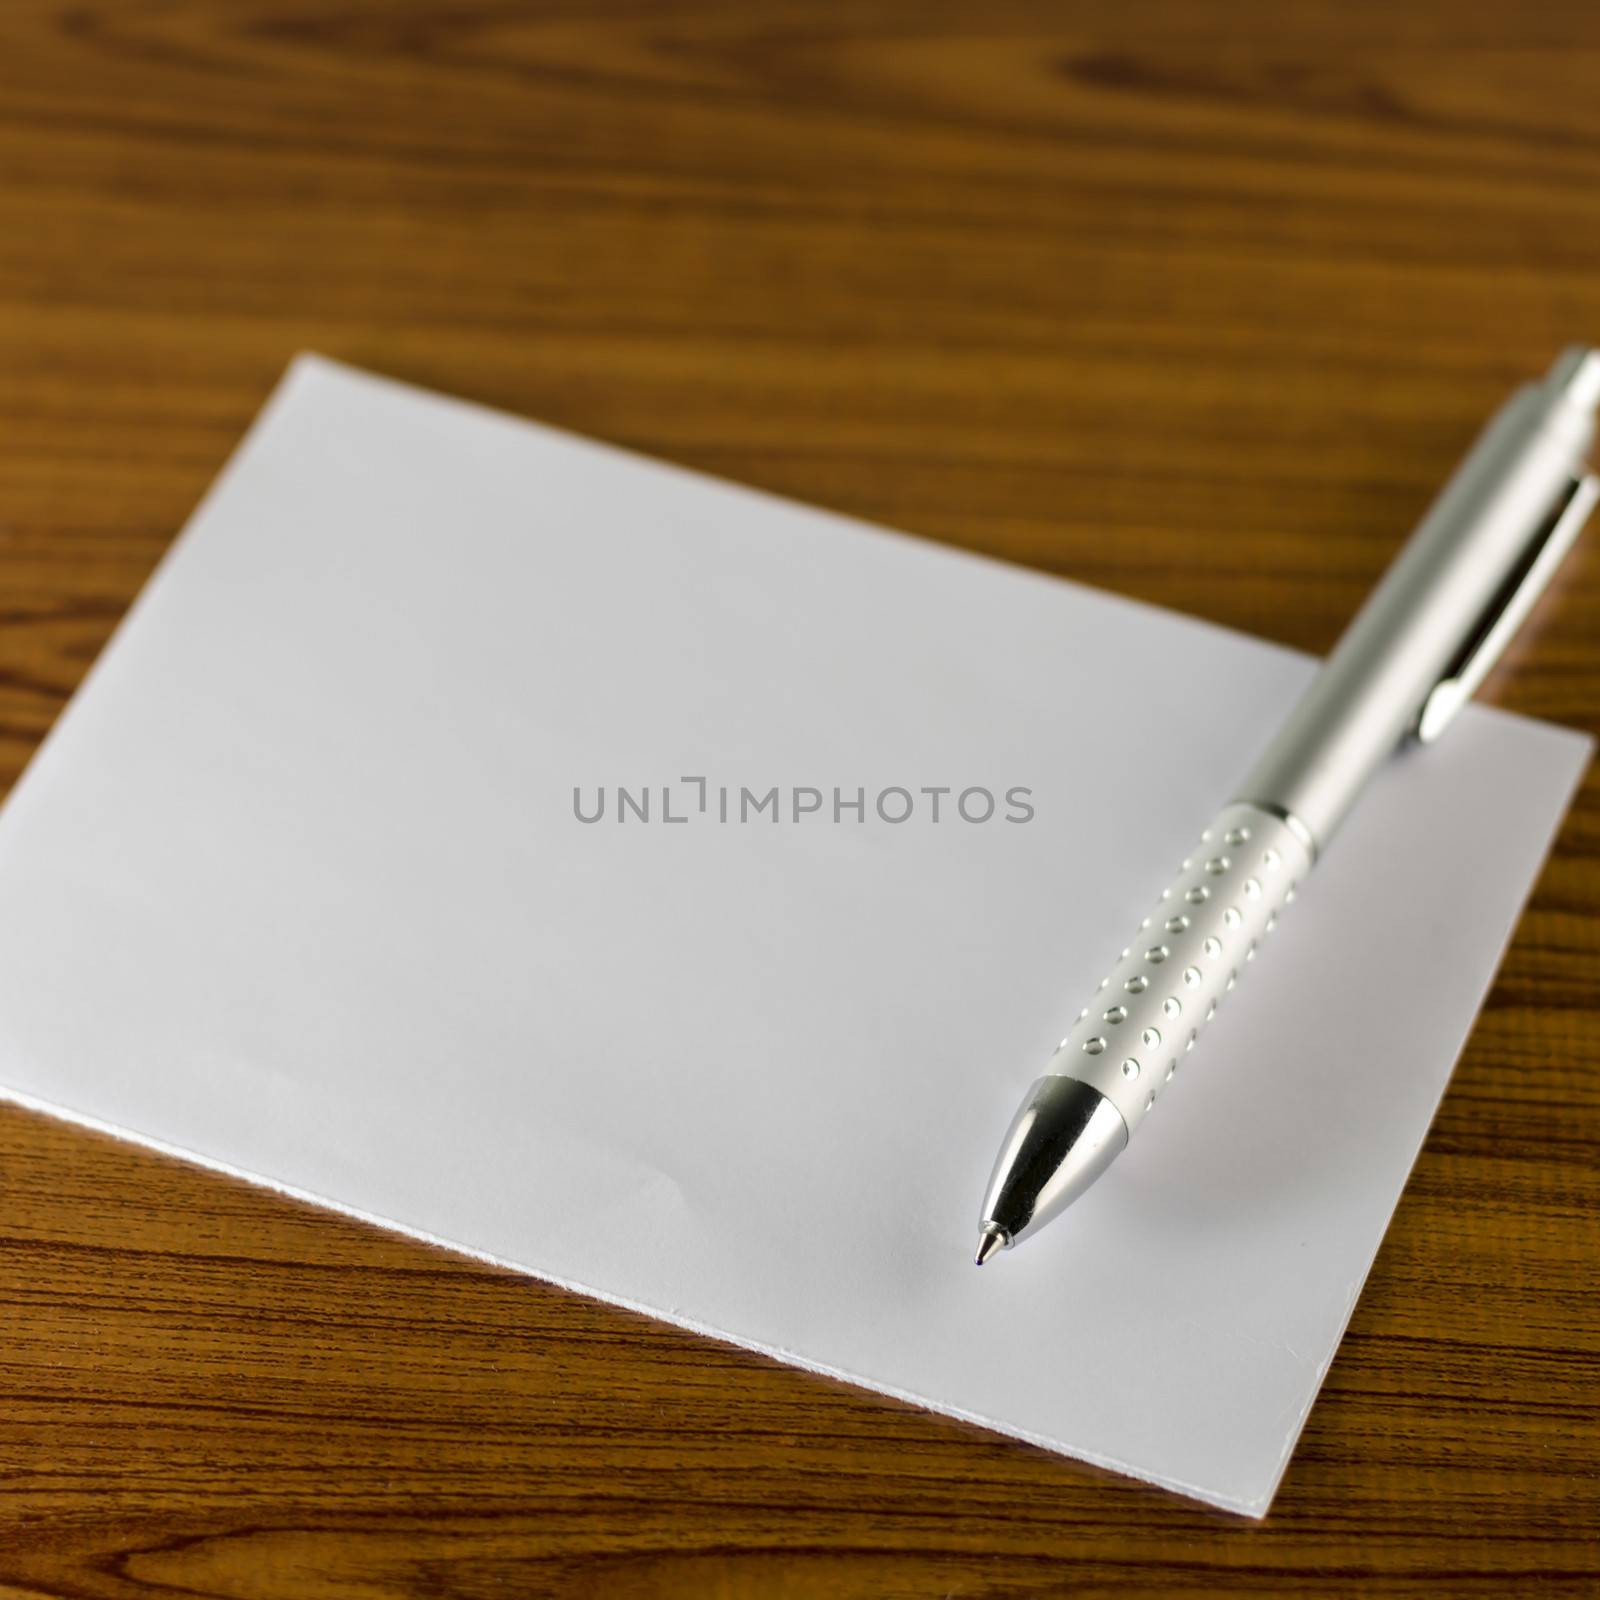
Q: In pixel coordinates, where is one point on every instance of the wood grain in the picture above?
(1197, 303)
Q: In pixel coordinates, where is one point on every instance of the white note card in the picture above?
(299, 888)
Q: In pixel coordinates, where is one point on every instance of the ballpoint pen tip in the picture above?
(989, 1241)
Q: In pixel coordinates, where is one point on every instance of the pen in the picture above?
(1423, 642)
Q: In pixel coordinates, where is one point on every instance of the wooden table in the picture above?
(1197, 303)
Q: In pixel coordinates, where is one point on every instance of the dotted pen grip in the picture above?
(1191, 950)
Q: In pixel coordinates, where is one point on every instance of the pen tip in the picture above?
(989, 1241)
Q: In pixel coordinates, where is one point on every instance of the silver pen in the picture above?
(1423, 642)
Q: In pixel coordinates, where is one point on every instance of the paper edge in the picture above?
(1582, 755)
(314, 362)
(277, 398)
(1252, 1508)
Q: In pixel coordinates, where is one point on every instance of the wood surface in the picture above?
(1194, 302)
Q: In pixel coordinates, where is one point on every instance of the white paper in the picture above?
(296, 889)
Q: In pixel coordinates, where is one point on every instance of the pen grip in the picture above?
(1129, 1042)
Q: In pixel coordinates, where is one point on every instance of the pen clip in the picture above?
(1509, 609)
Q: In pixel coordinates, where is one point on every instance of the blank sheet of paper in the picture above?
(296, 888)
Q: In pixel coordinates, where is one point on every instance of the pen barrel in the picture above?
(1204, 931)
(1429, 606)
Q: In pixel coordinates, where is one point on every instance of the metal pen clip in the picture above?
(1548, 544)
